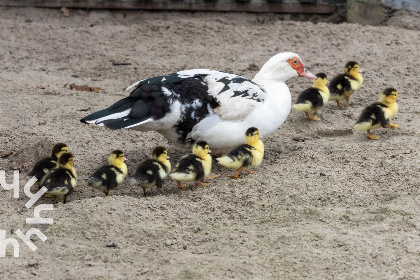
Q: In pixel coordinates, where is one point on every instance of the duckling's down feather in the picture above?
(106, 177)
(150, 173)
(189, 168)
(42, 168)
(372, 116)
(239, 157)
(60, 181)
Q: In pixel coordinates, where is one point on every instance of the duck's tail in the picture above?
(119, 115)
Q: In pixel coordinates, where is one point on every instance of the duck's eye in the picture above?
(295, 61)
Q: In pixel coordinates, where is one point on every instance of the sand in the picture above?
(334, 206)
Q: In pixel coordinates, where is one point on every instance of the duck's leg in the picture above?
(393, 125)
(338, 104)
(236, 175)
(199, 183)
(346, 99)
(180, 185)
(313, 117)
(372, 136)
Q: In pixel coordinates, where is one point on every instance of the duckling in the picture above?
(379, 114)
(153, 171)
(63, 179)
(45, 165)
(195, 166)
(245, 156)
(344, 85)
(313, 98)
(108, 177)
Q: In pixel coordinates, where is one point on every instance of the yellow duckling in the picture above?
(108, 177)
(344, 85)
(45, 165)
(63, 179)
(379, 114)
(313, 98)
(195, 166)
(152, 172)
(245, 156)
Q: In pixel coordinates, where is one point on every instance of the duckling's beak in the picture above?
(209, 151)
(360, 70)
(307, 74)
(125, 159)
(168, 157)
(398, 99)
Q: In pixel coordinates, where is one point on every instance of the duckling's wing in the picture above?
(190, 164)
(340, 84)
(58, 181)
(181, 100)
(312, 95)
(104, 176)
(241, 156)
(42, 168)
(374, 113)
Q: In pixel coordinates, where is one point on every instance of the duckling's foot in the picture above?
(57, 199)
(179, 185)
(393, 126)
(236, 175)
(250, 172)
(372, 136)
(338, 104)
(346, 102)
(199, 183)
(212, 176)
(106, 192)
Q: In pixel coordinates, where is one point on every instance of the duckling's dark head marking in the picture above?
(252, 131)
(65, 158)
(59, 147)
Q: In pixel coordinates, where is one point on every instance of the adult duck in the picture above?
(207, 105)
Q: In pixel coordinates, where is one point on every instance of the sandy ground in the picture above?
(336, 206)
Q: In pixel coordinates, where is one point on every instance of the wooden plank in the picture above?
(366, 12)
(197, 5)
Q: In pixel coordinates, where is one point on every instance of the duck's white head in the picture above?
(282, 67)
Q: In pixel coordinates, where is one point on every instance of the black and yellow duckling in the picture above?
(152, 172)
(108, 177)
(379, 114)
(45, 165)
(195, 166)
(62, 180)
(245, 156)
(344, 85)
(313, 98)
